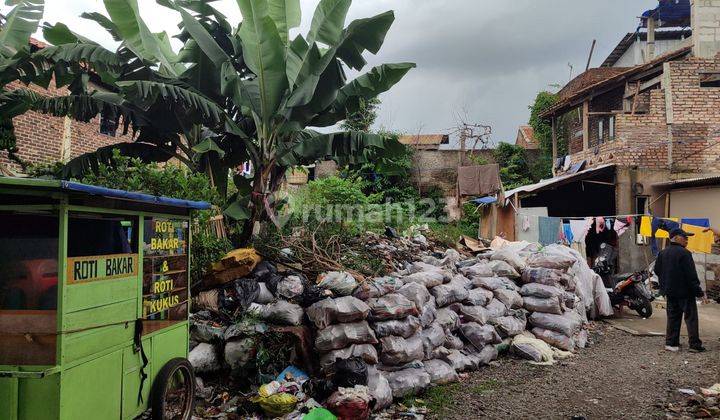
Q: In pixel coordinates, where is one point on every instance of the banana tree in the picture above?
(229, 95)
(15, 30)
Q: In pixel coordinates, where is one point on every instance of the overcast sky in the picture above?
(483, 59)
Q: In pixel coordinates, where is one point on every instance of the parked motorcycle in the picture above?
(629, 290)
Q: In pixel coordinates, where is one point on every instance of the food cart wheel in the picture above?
(173, 392)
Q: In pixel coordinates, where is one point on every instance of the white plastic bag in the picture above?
(367, 352)
(568, 323)
(340, 336)
(339, 282)
(415, 292)
(510, 257)
(407, 382)
(334, 311)
(481, 269)
(509, 326)
(428, 279)
(440, 372)
(510, 298)
(265, 295)
(427, 315)
(391, 306)
(555, 339)
(448, 319)
(480, 335)
(458, 361)
(446, 294)
(377, 287)
(495, 309)
(479, 297)
(281, 312)
(540, 290)
(404, 328)
(379, 388)
(551, 305)
(503, 269)
(290, 287)
(398, 351)
(476, 314)
(432, 338)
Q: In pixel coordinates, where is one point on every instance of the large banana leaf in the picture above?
(364, 34)
(60, 34)
(106, 23)
(286, 15)
(146, 94)
(351, 147)
(90, 162)
(99, 58)
(20, 23)
(264, 54)
(137, 36)
(328, 21)
(371, 84)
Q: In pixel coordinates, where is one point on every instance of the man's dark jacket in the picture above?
(676, 269)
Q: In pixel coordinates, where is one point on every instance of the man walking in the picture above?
(680, 284)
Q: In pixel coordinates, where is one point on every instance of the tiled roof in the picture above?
(528, 134)
(425, 139)
(594, 79)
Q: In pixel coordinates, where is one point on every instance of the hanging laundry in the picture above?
(621, 226)
(549, 228)
(599, 224)
(657, 227)
(661, 227)
(579, 229)
(526, 223)
(696, 222)
(702, 241)
(609, 224)
(567, 230)
(629, 220)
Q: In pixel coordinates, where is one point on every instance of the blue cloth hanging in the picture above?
(569, 237)
(549, 230)
(696, 222)
(662, 224)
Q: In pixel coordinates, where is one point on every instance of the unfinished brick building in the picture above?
(634, 133)
(43, 138)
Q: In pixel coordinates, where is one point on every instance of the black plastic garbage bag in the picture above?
(263, 271)
(350, 372)
(239, 295)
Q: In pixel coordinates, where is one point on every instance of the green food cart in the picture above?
(94, 293)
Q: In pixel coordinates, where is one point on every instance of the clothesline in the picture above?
(618, 216)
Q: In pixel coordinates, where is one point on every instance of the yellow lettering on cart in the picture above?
(101, 267)
(164, 243)
(163, 304)
(162, 286)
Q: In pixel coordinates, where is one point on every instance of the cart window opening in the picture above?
(93, 235)
(28, 288)
(165, 272)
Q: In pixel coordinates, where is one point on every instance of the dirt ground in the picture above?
(619, 376)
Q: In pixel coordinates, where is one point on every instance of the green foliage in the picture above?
(332, 190)
(206, 248)
(514, 167)
(132, 174)
(364, 117)
(228, 96)
(543, 128)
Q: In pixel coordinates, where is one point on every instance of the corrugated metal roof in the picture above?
(557, 181)
(689, 182)
(104, 192)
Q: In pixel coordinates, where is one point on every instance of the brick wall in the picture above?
(438, 169)
(642, 139)
(40, 137)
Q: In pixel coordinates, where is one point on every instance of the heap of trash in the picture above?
(704, 404)
(362, 344)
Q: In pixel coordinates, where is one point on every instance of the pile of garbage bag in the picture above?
(389, 337)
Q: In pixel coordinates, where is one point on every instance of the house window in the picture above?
(108, 125)
(710, 80)
(611, 128)
(601, 130)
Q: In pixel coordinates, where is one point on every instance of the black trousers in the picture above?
(676, 308)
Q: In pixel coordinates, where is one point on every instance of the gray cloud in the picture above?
(485, 58)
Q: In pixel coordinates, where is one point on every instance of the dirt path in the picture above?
(620, 376)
